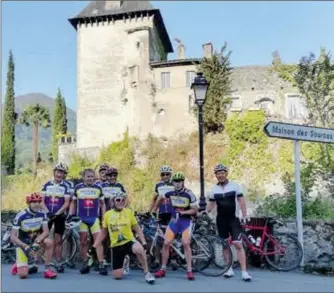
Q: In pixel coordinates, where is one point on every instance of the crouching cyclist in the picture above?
(184, 206)
(87, 200)
(29, 234)
(119, 224)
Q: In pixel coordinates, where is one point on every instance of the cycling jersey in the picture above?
(29, 224)
(109, 190)
(161, 188)
(119, 225)
(70, 186)
(88, 201)
(54, 195)
(226, 197)
(181, 200)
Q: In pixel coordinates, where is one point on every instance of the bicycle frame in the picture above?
(265, 235)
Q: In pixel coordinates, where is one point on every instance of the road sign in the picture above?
(299, 132)
(296, 133)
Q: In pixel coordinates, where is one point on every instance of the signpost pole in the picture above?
(298, 196)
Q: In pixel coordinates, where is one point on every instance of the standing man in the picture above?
(55, 202)
(102, 173)
(86, 203)
(161, 188)
(227, 196)
(184, 207)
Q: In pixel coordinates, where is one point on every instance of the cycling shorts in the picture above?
(59, 223)
(229, 227)
(181, 226)
(119, 253)
(92, 226)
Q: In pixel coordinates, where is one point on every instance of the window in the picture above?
(235, 103)
(190, 76)
(295, 107)
(265, 104)
(165, 80)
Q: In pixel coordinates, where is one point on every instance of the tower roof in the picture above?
(100, 10)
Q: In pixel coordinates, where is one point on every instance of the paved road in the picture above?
(263, 281)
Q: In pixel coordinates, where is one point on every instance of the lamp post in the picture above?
(200, 87)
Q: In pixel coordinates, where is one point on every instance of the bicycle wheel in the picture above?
(70, 248)
(8, 255)
(202, 253)
(292, 252)
(218, 265)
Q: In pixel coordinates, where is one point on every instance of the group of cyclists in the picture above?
(101, 204)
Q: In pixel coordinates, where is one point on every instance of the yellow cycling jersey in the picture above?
(119, 225)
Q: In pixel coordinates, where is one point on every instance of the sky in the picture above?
(44, 43)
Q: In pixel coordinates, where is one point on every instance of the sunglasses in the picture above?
(165, 174)
(120, 200)
(178, 180)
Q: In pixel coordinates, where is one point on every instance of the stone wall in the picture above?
(318, 244)
(114, 80)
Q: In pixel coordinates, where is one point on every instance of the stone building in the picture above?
(126, 82)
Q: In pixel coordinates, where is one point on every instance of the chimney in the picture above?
(112, 5)
(181, 51)
(207, 50)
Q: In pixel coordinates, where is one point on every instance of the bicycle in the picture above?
(202, 252)
(266, 248)
(71, 239)
(8, 249)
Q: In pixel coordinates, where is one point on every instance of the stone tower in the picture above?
(116, 41)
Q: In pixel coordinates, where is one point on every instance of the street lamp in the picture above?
(200, 87)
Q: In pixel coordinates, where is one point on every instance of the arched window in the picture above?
(266, 104)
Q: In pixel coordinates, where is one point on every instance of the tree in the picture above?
(315, 81)
(59, 123)
(314, 78)
(35, 115)
(9, 120)
(217, 71)
(63, 116)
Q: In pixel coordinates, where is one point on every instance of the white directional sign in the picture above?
(299, 132)
(296, 133)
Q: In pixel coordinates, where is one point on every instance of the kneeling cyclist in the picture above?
(119, 224)
(88, 198)
(30, 232)
(184, 206)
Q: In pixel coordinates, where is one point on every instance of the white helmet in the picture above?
(220, 167)
(75, 223)
(118, 194)
(166, 169)
(61, 167)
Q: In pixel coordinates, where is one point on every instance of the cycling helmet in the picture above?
(73, 224)
(34, 197)
(103, 167)
(60, 167)
(220, 167)
(112, 170)
(178, 176)
(118, 194)
(166, 169)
